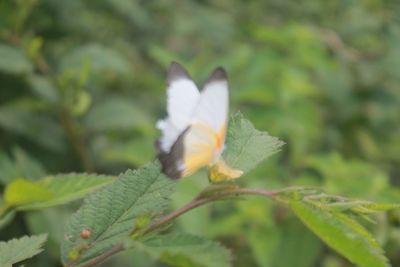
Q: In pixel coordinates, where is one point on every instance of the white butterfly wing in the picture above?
(213, 106)
(182, 98)
(195, 129)
(205, 139)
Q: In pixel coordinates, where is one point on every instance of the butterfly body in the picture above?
(193, 134)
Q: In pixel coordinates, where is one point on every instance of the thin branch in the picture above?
(336, 43)
(200, 200)
(77, 139)
(106, 255)
(176, 213)
(69, 123)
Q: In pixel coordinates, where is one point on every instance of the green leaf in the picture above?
(367, 181)
(343, 234)
(29, 167)
(8, 170)
(135, 152)
(161, 55)
(68, 187)
(247, 146)
(113, 213)
(43, 88)
(135, 12)
(100, 58)
(16, 250)
(360, 207)
(34, 126)
(81, 104)
(52, 190)
(6, 214)
(333, 203)
(293, 237)
(116, 113)
(6, 218)
(370, 207)
(13, 60)
(22, 165)
(180, 250)
(22, 191)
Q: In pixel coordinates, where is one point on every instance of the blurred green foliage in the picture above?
(82, 84)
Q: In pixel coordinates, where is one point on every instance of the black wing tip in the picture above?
(168, 164)
(169, 167)
(170, 161)
(173, 174)
(219, 74)
(176, 72)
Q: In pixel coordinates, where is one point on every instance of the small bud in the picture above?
(85, 233)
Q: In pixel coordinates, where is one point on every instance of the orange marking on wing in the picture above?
(201, 143)
(220, 138)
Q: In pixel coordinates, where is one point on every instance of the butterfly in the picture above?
(194, 131)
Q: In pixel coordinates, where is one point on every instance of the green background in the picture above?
(82, 84)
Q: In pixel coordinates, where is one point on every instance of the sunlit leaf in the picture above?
(343, 234)
(22, 191)
(52, 190)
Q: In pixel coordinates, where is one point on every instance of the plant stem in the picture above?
(77, 139)
(176, 213)
(196, 202)
(70, 125)
(106, 255)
